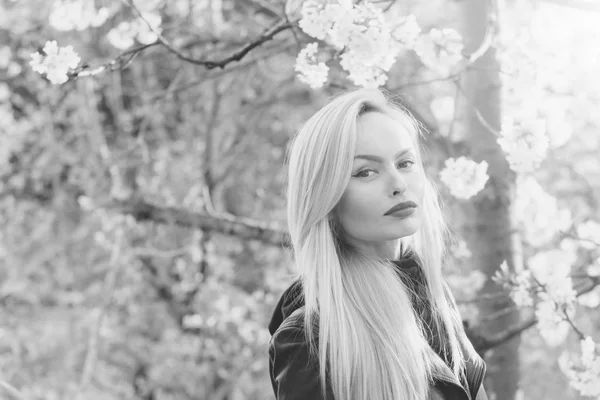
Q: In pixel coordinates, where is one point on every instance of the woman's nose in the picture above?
(398, 182)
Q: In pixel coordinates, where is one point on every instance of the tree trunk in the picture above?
(489, 221)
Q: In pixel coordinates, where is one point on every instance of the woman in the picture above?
(370, 316)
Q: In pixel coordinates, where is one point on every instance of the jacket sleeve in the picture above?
(293, 375)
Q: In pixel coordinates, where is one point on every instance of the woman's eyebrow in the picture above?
(379, 159)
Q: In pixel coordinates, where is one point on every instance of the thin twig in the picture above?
(270, 52)
(236, 56)
(470, 58)
(122, 61)
(478, 113)
(571, 236)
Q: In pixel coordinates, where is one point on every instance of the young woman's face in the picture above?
(385, 172)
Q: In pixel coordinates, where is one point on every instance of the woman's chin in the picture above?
(406, 227)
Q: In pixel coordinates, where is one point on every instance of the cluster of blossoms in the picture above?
(553, 285)
(558, 298)
(463, 177)
(556, 279)
(56, 62)
(585, 377)
(589, 234)
(126, 33)
(443, 109)
(311, 72)
(538, 212)
(440, 50)
(360, 30)
(548, 276)
(369, 44)
(551, 323)
(520, 293)
(68, 15)
(518, 284)
(525, 143)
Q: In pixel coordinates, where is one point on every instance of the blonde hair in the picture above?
(371, 345)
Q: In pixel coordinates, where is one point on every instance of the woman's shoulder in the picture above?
(294, 372)
(292, 323)
(291, 332)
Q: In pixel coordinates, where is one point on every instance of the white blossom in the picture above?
(440, 49)
(589, 233)
(558, 126)
(4, 92)
(590, 299)
(316, 20)
(539, 214)
(55, 63)
(443, 109)
(5, 57)
(594, 269)
(126, 33)
(552, 269)
(343, 17)
(360, 73)
(145, 35)
(518, 284)
(122, 36)
(67, 15)
(521, 292)
(407, 31)
(193, 321)
(463, 177)
(585, 377)
(551, 324)
(461, 250)
(362, 34)
(525, 143)
(469, 283)
(310, 71)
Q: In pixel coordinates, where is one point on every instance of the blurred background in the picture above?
(142, 209)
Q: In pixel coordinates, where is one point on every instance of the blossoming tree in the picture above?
(107, 111)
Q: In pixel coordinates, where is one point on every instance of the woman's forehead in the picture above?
(380, 133)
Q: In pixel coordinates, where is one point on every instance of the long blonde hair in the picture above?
(371, 345)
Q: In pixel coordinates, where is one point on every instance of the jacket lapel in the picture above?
(445, 380)
(448, 382)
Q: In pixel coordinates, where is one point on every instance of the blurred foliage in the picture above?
(98, 304)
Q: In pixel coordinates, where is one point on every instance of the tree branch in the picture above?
(122, 61)
(236, 56)
(226, 224)
(482, 344)
(142, 210)
(470, 58)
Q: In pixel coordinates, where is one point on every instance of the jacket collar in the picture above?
(292, 299)
(475, 369)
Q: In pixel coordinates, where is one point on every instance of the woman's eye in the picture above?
(361, 174)
(407, 162)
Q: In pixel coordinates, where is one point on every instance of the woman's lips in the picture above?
(408, 211)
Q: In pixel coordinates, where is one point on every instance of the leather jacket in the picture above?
(294, 376)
